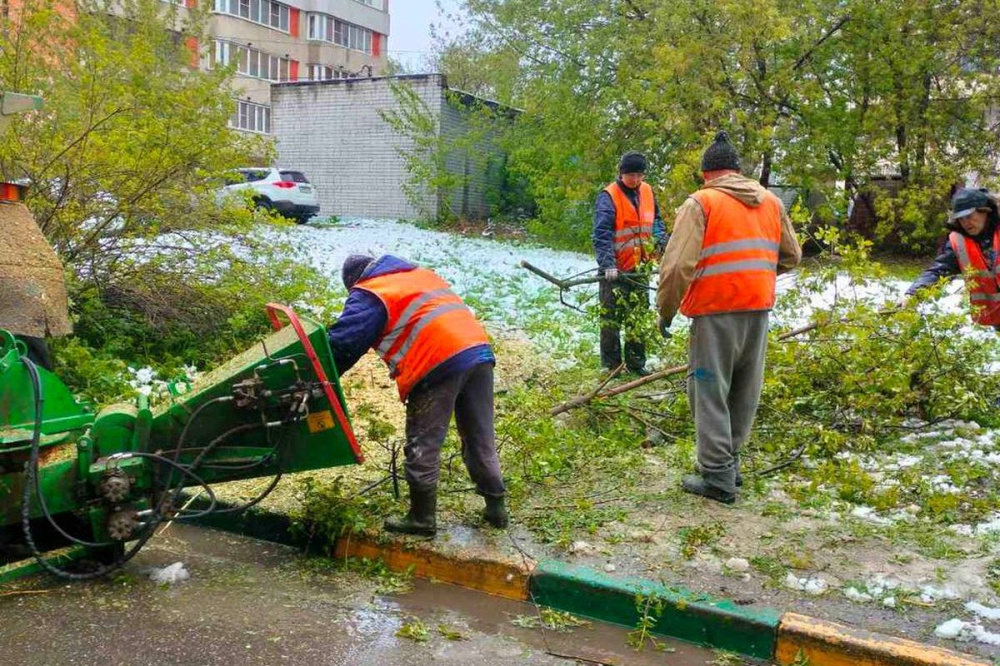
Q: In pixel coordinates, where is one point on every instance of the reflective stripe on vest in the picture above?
(633, 228)
(984, 293)
(738, 262)
(427, 324)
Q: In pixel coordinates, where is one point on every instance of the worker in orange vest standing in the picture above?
(971, 250)
(441, 359)
(730, 240)
(627, 232)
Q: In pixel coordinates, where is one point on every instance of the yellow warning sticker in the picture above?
(320, 421)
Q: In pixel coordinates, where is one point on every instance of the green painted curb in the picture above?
(689, 616)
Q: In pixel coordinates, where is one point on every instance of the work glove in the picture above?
(610, 274)
(904, 301)
(664, 327)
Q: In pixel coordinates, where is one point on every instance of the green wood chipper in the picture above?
(106, 480)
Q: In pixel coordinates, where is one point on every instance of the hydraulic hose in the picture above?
(31, 480)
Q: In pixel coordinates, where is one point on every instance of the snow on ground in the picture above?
(967, 631)
(488, 275)
(974, 630)
(813, 585)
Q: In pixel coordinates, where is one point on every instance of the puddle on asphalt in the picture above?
(248, 597)
(599, 642)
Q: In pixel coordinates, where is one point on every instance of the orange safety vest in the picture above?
(428, 324)
(633, 228)
(738, 263)
(984, 294)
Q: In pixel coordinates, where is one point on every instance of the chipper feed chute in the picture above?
(106, 481)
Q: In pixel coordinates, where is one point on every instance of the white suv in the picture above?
(283, 191)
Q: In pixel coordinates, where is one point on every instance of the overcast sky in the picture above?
(410, 28)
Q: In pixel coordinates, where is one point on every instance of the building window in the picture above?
(326, 73)
(329, 29)
(266, 12)
(320, 73)
(250, 61)
(377, 4)
(251, 117)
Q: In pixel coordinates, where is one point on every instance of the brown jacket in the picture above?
(679, 259)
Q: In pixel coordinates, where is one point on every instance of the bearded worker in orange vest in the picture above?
(730, 241)
(441, 359)
(627, 233)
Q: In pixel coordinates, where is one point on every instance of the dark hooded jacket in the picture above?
(945, 265)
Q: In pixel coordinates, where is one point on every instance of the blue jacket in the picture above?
(363, 321)
(945, 264)
(604, 226)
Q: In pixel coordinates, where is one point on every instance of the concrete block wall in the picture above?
(333, 131)
(471, 160)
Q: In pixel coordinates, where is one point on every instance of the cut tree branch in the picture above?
(670, 372)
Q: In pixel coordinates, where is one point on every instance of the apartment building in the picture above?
(270, 41)
(292, 40)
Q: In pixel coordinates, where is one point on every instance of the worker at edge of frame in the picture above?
(628, 232)
(970, 250)
(441, 359)
(730, 241)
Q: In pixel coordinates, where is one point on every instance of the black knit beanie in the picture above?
(720, 155)
(354, 266)
(633, 162)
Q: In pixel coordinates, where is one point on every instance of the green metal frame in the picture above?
(77, 444)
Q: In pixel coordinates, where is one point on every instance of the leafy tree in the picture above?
(451, 148)
(132, 134)
(824, 95)
(123, 162)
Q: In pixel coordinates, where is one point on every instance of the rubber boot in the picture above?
(739, 476)
(697, 485)
(422, 518)
(495, 512)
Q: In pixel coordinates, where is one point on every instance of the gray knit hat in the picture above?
(354, 266)
(720, 155)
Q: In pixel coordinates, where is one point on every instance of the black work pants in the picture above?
(469, 395)
(621, 301)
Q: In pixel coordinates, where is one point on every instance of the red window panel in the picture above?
(293, 70)
(293, 23)
(376, 44)
(192, 45)
(190, 4)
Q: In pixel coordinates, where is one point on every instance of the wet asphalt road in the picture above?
(252, 602)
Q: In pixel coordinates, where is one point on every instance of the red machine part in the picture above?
(293, 320)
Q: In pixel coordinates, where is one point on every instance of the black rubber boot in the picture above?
(495, 512)
(422, 518)
(696, 485)
(739, 476)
